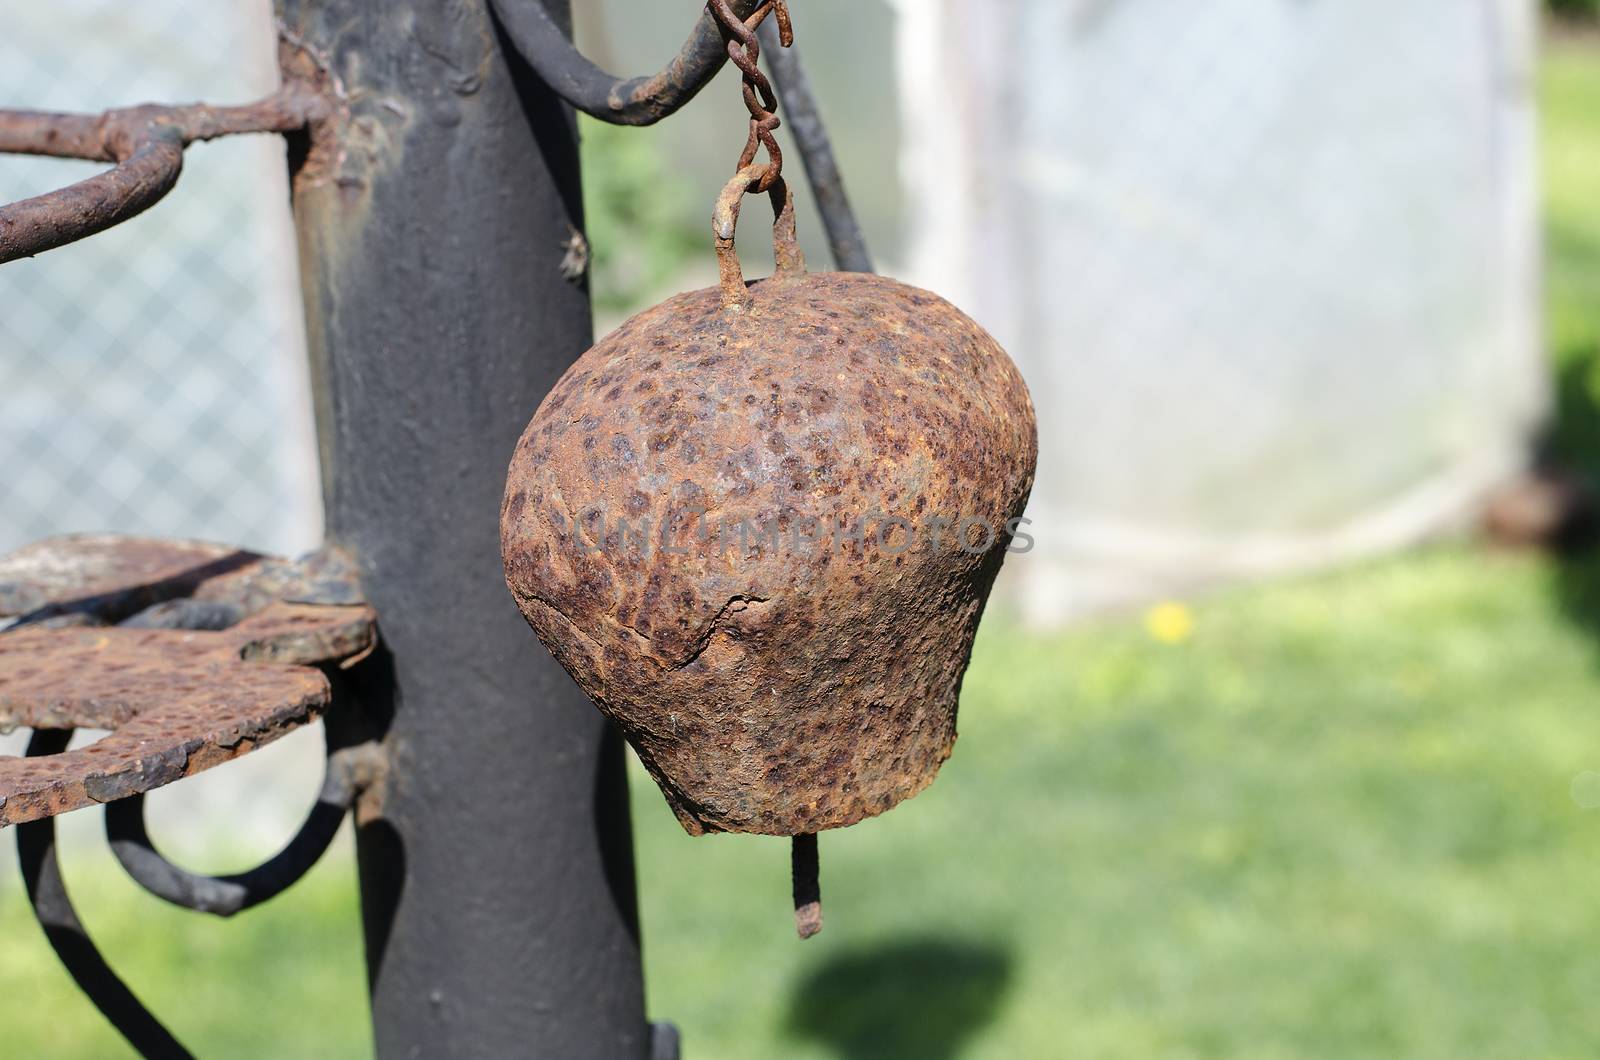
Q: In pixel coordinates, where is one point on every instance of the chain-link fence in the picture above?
(1270, 268)
(153, 377)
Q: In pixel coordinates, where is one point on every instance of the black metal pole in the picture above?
(497, 885)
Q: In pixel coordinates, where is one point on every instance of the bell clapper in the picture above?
(807, 885)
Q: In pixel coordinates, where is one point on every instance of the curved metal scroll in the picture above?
(41, 872)
(137, 183)
(346, 774)
(146, 143)
(620, 101)
(647, 100)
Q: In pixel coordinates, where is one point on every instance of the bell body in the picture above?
(760, 537)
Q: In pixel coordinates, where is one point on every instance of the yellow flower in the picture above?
(1170, 623)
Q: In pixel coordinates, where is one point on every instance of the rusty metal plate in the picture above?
(103, 577)
(177, 701)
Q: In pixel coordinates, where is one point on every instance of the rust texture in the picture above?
(769, 686)
(177, 700)
(804, 117)
(146, 142)
(104, 579)
(100, 578)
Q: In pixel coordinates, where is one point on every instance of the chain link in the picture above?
(744, 49)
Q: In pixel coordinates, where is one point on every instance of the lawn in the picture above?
(1347, 815)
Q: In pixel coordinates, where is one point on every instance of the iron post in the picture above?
(497, 880)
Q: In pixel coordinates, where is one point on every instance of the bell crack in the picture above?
(736, 603)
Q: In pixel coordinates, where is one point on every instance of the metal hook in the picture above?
(725, 220)
(348, 771)
(620, 101)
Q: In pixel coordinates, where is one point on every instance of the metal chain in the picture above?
(744, 49)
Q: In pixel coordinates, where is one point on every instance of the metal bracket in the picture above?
(191, 654)
(177, 700)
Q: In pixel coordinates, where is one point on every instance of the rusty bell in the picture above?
(758, 523)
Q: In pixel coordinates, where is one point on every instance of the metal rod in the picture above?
(806, 875)
(147, 144)
(804, 118)
(548, 48)
(497, 884)
(41, 873)
(227, 895)
(69, 214)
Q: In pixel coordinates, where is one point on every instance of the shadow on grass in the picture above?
(1569, 91)
(1573, 443)
(917, 997)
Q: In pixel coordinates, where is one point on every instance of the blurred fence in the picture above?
(1270, 268)
(153, 376)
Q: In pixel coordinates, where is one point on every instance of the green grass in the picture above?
(284, 980)
(1338, 820)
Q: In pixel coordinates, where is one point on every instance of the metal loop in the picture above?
(94, 204)
(226, 895)
(52, 906)
(147, 144)
(786, 251)
(633, 101)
